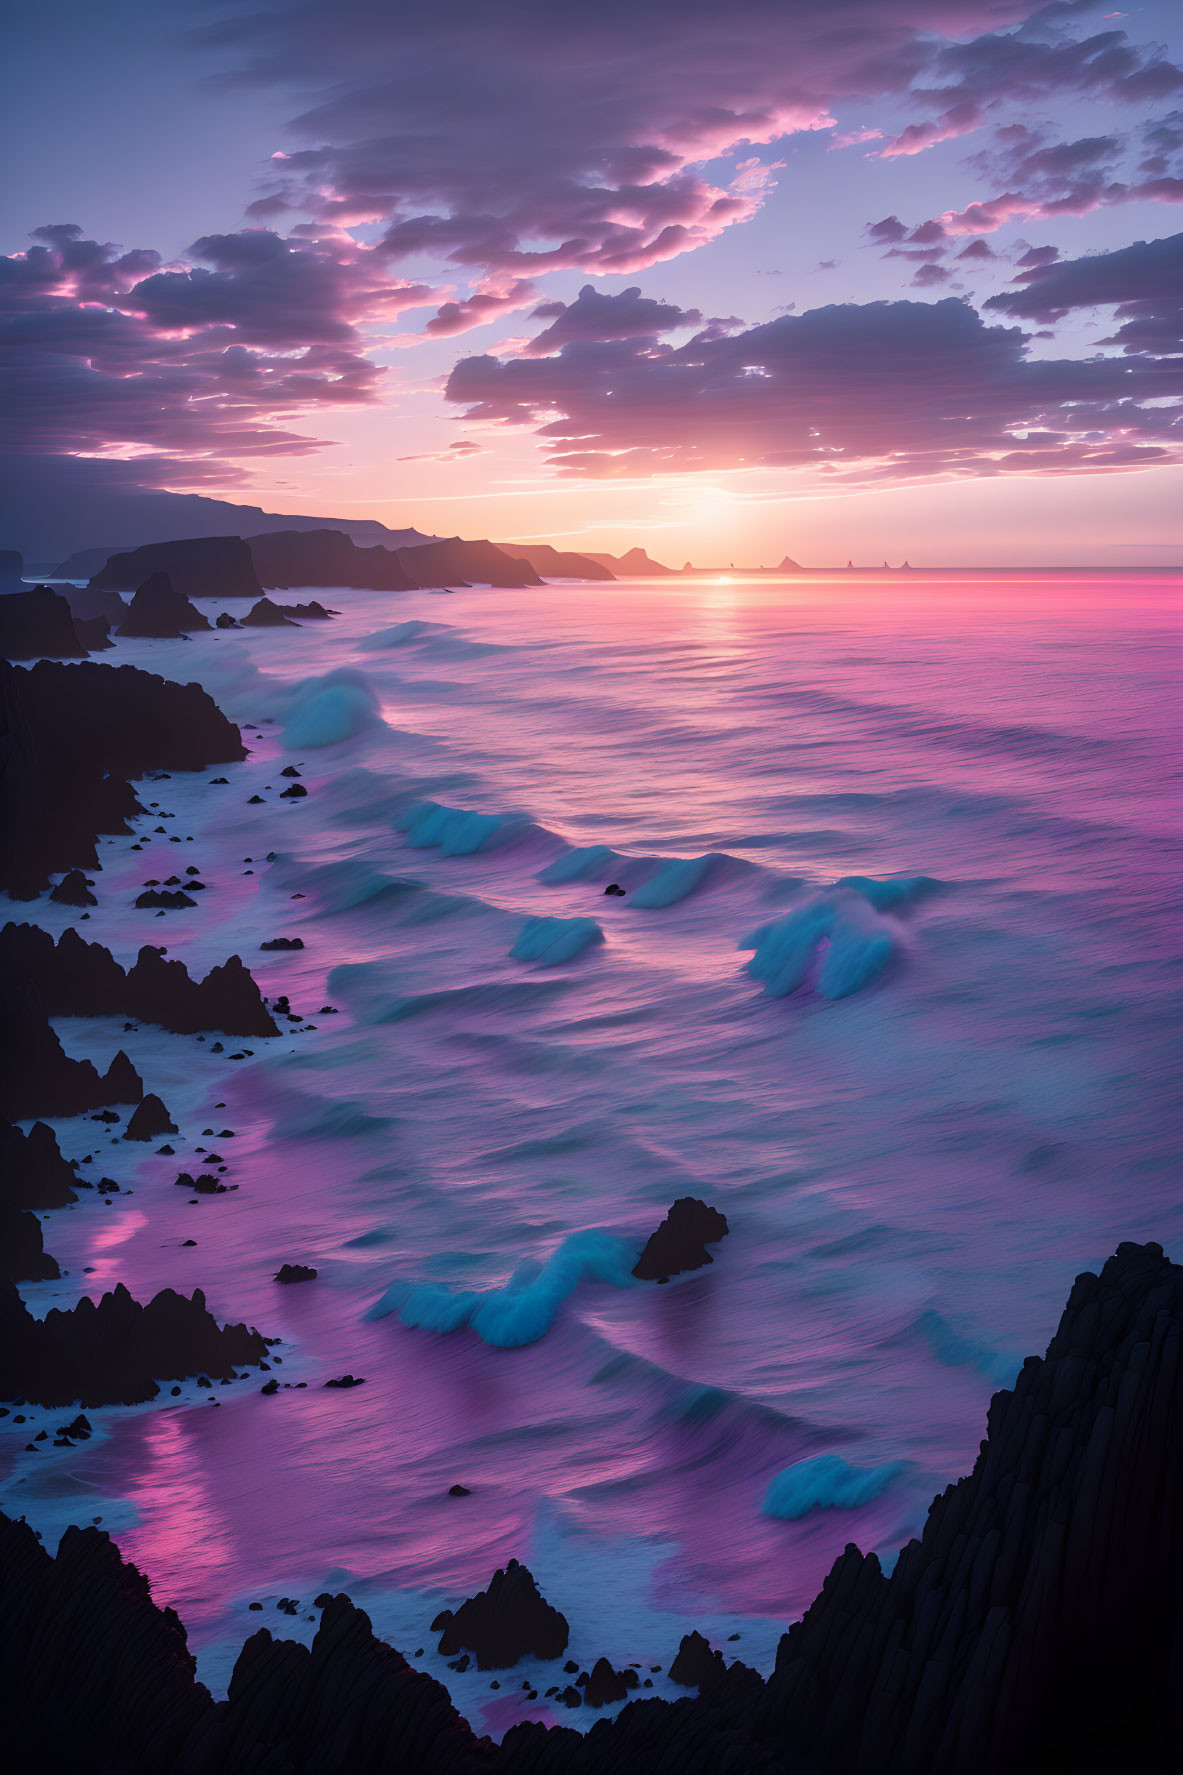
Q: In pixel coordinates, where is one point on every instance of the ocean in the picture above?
(893, 984)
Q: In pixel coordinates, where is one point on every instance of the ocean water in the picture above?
(894, 984)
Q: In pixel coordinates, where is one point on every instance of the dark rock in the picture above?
(37, 624)
(149, 1120)
(310, 612)
(158, 610)
(226, 621)
(605, 1685)
(283, 943)
(285, 558)
(33, 1173)
(72, 890)
(508, 1621)
(23, 1257)
(459, 1491)
(347, 1380)
(446, 562)
(117, 1351)
(73, 978)
(269, 1387)
(71, 736)
(295, 1272)
(266, 615)
(289, 770)
(293, 793)
(199, 567)
(680, 1242)
(697, 1663)
(614, 887)
(170, 901)
(94, 633)
(37, 1076)
(555, 563)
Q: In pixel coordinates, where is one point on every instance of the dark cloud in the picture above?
(524, 137)
(628, 315)
(102, 350)
(1143, 283)
(881, 392)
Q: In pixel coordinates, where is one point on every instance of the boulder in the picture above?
(680, 1242)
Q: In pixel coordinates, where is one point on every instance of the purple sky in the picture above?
(881, 278)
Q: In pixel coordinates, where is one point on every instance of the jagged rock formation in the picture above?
(605, 1685)
(556, 563)
(38, 1077)
(158, 610)
(37, 624)
(115, 1352)
(266, 615)
(313, 611)
(508, 1621)
(149, 1120)
(88, 602)
(197, 566)
(72, 890)
(70, 737)
(680, 1242)
(286, 558)
(697, 1664)
(1036, 1626)
(74, 978)
(33, 1174)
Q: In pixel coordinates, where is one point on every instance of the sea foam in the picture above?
(825, 1482)
(323, 711)
(524, 1309)
(837, 935)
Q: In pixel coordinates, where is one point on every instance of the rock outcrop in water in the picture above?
(115, 1352)
(74, 978)
(266, 615)
(70, 737)
(33, 1174)
(160, 611)
(508, 1621)
(38, 624)
(198, 567)
(1036, 1626)
(38, 1077)
(680, 1242)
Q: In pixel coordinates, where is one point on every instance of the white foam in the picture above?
(825, 1482)
(524, 1309)
(554, 940)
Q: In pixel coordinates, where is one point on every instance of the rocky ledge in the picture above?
(1036, 1625)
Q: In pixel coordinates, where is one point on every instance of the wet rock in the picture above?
(226, 621)
(117, 1351)
(266, 615)
(33, 1172)
(459, 1491)
(293, 793)
(170, 901)
(37, 624)
(295, 1272)
(269, 1387)
(149, 1120)
(38, 1077)
(73, 735)
(289, 770)
(158, 610)
(605, 1685)
(614, 888)
(347, 1380)
(680, 1242)
(72, 890)
(697, 1663)
(508, 1621)
(76, 978)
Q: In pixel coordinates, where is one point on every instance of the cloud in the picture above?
(526, 137)
(106, 351)
(628, 315)
(884, 391)
(487, 303)
(1143, 283)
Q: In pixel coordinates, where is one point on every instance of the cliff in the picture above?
(197, 566)
(286, 558)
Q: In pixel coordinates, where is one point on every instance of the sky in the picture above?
(882, 279)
